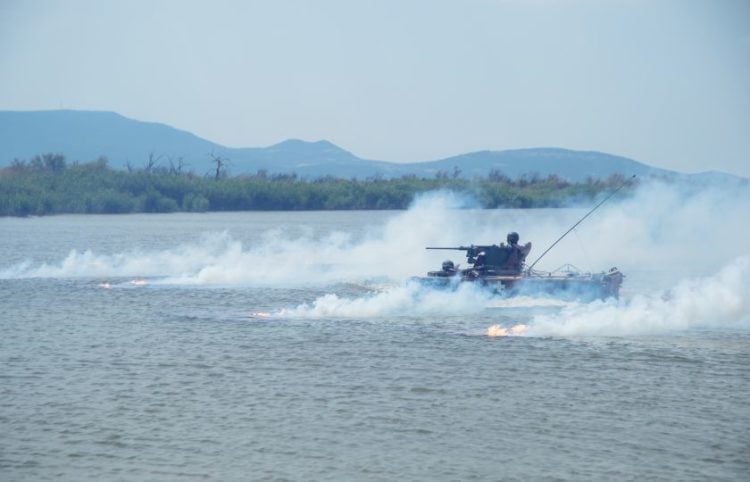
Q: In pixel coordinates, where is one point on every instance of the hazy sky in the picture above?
(664, 82)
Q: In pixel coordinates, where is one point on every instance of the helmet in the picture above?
(448, 265)
(513, 238)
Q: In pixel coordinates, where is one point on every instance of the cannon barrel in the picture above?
(459, 248)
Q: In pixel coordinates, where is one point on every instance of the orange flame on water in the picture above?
(515, 330)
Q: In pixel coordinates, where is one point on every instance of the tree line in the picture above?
(47, 184)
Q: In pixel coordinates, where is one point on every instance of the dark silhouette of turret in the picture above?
(504, 259)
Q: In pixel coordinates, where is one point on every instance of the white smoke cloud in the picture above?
(658, 236)
(671, 229)
(394, 250)
(718, 301)
(409, 299)
(685, 253)
(214, 249)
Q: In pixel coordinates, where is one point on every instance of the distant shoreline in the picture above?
(47, 185)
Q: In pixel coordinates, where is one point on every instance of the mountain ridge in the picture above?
(87, 135)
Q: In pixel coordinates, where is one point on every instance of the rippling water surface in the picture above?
(292, 346)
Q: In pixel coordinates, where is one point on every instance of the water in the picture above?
(291, 346)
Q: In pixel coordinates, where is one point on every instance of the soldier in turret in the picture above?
(518, 254)
(480, 261)
(449, 268)
(477, 268)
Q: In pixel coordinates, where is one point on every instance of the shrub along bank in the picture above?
(48, 185)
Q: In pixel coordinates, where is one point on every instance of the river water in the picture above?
(292, 346)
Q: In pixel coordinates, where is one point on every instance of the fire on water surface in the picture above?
(497, 330)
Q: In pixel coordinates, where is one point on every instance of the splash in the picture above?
(716, 302)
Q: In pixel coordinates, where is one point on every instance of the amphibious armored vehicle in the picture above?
(502, 267)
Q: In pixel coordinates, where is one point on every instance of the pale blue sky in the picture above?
(666, 82)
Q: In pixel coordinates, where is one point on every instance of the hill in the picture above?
(86, 135)
(568, 164)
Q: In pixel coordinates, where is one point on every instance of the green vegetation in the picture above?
(48, 185)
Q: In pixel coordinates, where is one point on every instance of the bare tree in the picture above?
(176, 165)
(221, 165)
(153, 160)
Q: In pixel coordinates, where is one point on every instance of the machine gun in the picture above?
(493, 258)
(471, 251)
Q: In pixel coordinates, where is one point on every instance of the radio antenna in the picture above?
(580, 221)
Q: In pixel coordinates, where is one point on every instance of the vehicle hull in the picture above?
(569, 286)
